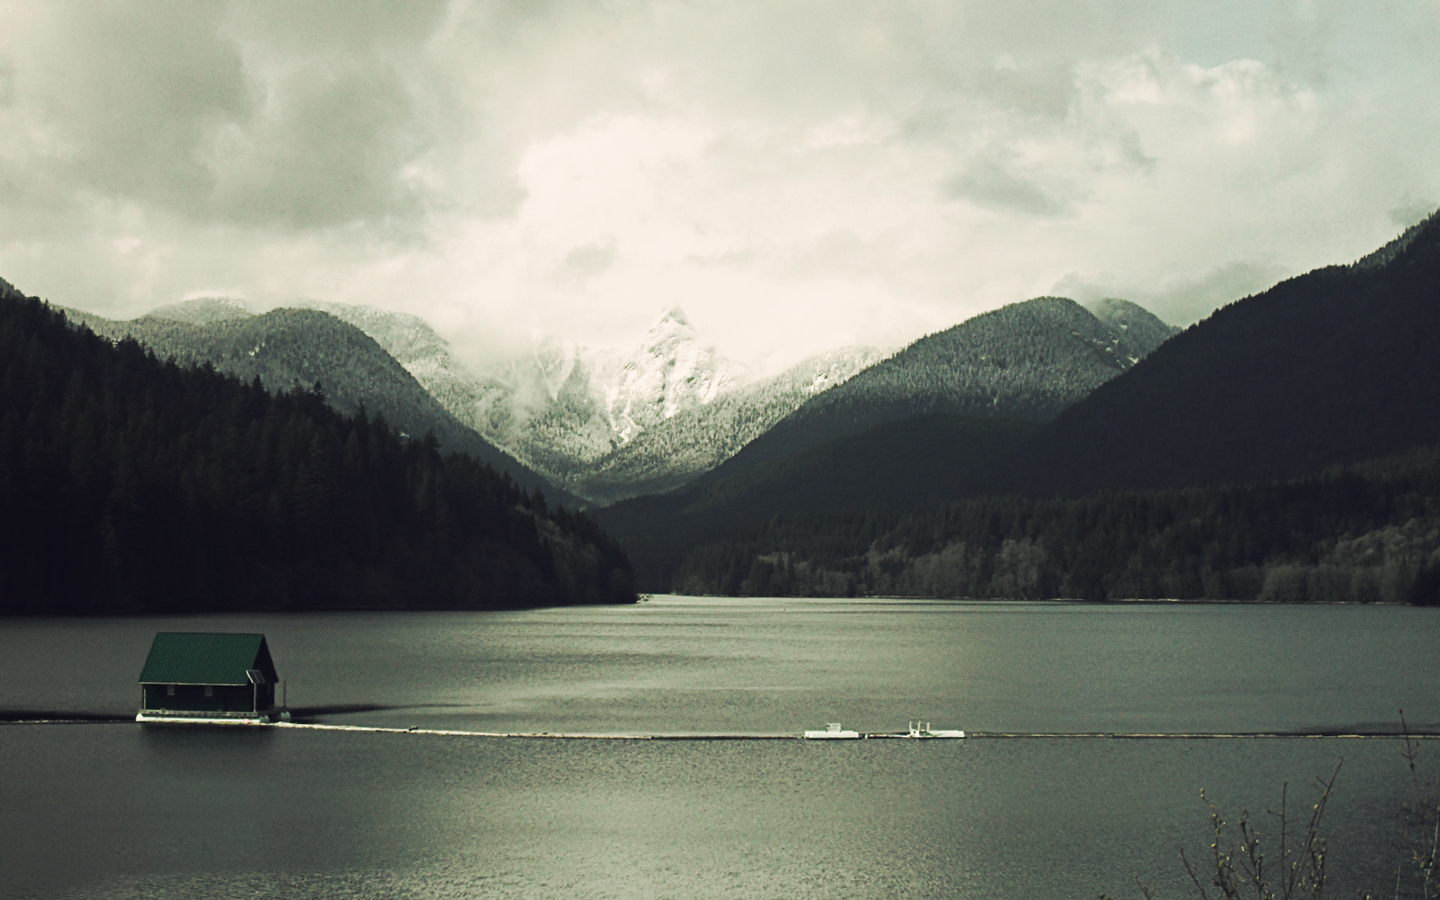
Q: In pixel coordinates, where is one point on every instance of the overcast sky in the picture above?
(795, 175)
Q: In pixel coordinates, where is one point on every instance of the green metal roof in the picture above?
(206, 658)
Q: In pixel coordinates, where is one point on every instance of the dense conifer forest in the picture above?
(134, 485)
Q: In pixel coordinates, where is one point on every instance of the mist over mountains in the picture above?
(593, 426)
(678, 449)
(609, 424)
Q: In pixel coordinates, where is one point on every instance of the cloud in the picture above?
(1412, 210)
(217, 114)
(1302, 35)
(796, 173)
(584, 263)
(330, 147)
(993, 183)
(124, 100)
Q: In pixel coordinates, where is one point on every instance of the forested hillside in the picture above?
(132, 485)
(1339, 365)
(289, 347)
(1027, 361)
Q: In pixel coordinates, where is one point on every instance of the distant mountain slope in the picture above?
(286, 347)
(913, 463)
(1027, 361)
(1337, 366)
(1367, 534)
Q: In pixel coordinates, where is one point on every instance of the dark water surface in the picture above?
(121, 810)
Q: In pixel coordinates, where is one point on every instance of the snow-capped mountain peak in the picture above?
(672, 371)
(674, 315)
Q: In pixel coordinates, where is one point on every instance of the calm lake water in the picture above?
(117, 810)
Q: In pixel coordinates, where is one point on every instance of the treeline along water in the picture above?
(1368, 534)
(118, 810)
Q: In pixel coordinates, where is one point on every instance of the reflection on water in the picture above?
(120, 810)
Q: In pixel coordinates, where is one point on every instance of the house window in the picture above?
(169, 690)
(209, 691)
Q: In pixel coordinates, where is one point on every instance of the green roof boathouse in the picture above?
(225, 679)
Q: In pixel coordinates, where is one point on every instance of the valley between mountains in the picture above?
(1284, 448)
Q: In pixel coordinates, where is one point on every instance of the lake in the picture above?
(117, 810)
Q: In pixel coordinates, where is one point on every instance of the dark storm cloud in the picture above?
(329, 149)
(294, 114)
(129, 96)
(993, 183)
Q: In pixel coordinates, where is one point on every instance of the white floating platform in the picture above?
(833, 732)
(918, 731)
(922, 731)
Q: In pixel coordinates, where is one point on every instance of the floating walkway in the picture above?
(71, 718)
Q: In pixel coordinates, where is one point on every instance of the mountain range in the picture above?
(1334, 367)
(586, 426)
(595, 426)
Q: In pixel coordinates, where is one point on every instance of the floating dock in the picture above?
(262, 717)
